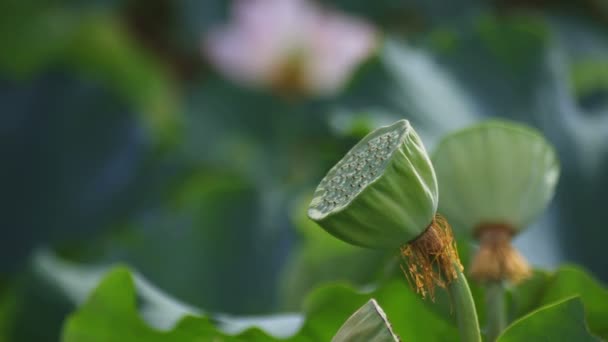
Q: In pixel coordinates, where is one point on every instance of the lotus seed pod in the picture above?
(496, 177)
(496, 173)
(382, 194)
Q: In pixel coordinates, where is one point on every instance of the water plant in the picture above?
(495, 177)
(383, 194)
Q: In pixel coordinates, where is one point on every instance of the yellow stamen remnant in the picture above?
(431, 259)
(496, 259)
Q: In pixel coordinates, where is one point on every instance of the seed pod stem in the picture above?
(496, 315)
(464, 306)
(496, 261)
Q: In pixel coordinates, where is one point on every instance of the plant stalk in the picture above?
(496, 319)
(466, 314)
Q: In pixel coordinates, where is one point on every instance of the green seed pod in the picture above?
(382, 194)
(368, 324)
(496, 173)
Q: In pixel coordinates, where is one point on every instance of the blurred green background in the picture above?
(123, 141)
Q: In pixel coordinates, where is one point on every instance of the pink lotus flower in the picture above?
(289, 45)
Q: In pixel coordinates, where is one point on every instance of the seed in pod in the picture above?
(383, 194)
(495, 178)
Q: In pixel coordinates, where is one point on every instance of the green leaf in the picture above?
(412, 318)
(110, 314)
(158, 310)
(568, 281)
(526, 295)
(157, 315)
(325, 310)
(562, 321)
(368, 324)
